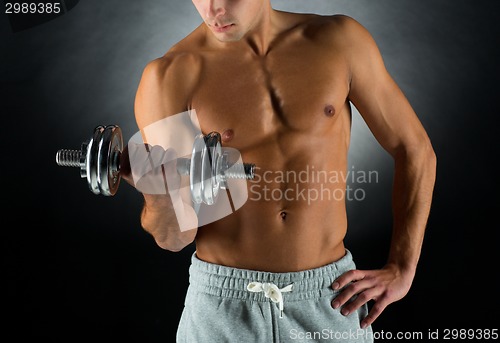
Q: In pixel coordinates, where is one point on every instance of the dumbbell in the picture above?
(208, 168)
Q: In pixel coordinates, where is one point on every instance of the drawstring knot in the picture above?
(271, 291)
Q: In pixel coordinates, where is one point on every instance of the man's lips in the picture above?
(222, 28)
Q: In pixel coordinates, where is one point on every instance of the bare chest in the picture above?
(300, 89)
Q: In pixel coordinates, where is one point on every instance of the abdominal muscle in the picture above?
(294, 218)
(257, 238)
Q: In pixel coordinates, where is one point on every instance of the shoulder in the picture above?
(347, 37)
(166, 85)
(174, 68)
(338, 28)
(178, 65)
(168, 82)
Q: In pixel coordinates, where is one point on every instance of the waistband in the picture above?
(229, 282)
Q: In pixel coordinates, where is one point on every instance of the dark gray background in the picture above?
(77, 266)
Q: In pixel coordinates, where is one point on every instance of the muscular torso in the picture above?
(288, 114)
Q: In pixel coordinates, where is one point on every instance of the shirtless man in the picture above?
(278, 86)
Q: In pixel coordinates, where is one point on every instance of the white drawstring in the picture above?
(271, 291)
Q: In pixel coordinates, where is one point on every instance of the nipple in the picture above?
(329, 111)
(227, 135)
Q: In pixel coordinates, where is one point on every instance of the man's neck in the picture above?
(263, 33)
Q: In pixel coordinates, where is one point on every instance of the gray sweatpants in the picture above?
(231, 305)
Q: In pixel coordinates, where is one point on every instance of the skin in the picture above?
(278, 86)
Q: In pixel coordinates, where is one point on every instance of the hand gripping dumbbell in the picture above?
(208, 168)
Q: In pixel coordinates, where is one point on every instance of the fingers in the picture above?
(361, 299)
(355, 283)
(152, 168)
(358, 287)
(376, 310)
(185, 214)
(347, 277)
(169, 164)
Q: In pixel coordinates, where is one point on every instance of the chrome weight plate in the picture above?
(91, 159)
(195, 168)
(210, 160)
(110, 148)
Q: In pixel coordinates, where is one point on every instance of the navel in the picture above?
(283, 215)
(227, 135)
(329, 111)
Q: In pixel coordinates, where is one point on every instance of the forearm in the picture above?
(158, 218)
(414, 178)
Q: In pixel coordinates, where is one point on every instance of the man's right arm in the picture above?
(162, 93)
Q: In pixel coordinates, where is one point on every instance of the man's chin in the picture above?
(227, 39)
